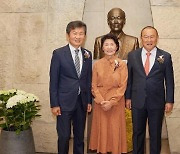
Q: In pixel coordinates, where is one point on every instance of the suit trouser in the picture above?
(139, 118)
(77, 117)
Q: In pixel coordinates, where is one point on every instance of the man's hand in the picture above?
(89, 108)
(56, 111)
(106, 105)
(128, 104)
(168, 107)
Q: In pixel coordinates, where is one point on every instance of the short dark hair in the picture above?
(76, 24)
(149, 27)
(112, 37)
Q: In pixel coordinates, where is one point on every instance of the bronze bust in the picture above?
(116, 19)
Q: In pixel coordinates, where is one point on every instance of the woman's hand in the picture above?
(106, 105)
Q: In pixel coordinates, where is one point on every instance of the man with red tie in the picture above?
(150, 90)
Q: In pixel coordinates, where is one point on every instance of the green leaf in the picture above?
(9, 110)
(18, 131)
(1, 113)
(3, 125)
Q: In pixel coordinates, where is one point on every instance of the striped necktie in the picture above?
(77, 62)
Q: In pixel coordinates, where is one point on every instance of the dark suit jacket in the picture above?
(64, 81)
(157, 88)
(127, 44)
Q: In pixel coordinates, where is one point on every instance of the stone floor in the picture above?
(164, 150)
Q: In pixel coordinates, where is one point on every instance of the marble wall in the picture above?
(31, 29)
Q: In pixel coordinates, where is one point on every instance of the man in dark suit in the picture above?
(70, 88)
(150, 90)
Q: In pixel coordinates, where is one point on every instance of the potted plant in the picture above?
(17, 110)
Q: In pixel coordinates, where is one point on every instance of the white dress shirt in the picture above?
(79, 54)
(151, 58)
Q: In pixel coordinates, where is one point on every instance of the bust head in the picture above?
(116, 19)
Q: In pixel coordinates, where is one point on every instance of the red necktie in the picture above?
(147, 63)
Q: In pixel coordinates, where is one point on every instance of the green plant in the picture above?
(17, 110)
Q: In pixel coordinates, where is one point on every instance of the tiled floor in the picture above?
(164, 150)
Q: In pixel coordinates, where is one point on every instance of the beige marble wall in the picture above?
(29, 31)
(166, 18)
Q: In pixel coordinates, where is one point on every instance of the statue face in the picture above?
(116, 20)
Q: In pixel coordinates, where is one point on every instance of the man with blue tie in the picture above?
(70, 88)
(150, 90)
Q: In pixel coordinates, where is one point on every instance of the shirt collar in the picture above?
(153, 51)
(73, 48)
